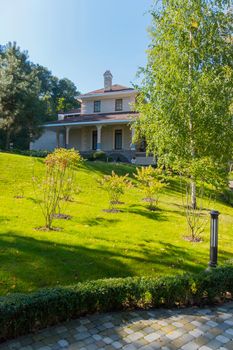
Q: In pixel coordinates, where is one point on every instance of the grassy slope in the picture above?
(94, 244)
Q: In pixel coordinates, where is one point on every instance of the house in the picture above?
(104, 123)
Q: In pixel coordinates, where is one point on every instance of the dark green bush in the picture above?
(23, 313)
(99, 155)
(227, 196)
(31, 153)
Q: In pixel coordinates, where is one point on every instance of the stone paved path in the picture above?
(187, 329)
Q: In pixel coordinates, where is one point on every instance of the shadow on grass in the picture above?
(145, 212)
(99, 221)
(39, 263)
(103, 168)
(34, 200)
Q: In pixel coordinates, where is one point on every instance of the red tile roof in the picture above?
(82, 118)
(115, 87)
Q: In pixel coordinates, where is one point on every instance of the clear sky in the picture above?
(80, 39)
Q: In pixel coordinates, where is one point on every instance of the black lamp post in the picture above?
(213, 238)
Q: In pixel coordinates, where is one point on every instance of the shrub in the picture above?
(59, 170)
(227, 196)
(99, 155)
(23, 313)
(115, 185)
(151, 182)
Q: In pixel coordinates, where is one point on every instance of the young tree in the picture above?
(151, 183)
(51, 189)
(186, 95)
(115, 185)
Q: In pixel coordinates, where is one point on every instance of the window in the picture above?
(96, 106)
(94, 140)
(118, 104)
(118, 139)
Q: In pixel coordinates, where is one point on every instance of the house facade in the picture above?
(104, 123)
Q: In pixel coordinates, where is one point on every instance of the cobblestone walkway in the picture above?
(187, 329)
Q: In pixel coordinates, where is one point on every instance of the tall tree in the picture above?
(20, 105)
(29, 95)
(187, 85)
(58, 94)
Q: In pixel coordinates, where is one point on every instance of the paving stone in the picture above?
(129, 347)
(81, 336)
(174, 335)
(151, 337)
(211, 323)
(196, 333)
(117, 345)
(222, 339)
(63, 343)
(230, 331)
(214, 344)
(190, 346)
(107, 340)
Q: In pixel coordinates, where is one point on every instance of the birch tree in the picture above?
(185, 100)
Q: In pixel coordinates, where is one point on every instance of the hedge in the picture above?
(31, 153)
(24, 313)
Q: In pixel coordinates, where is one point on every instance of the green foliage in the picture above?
(151, 182)
(115, 185)
(57, 94)
(185, 102)
(24, 313)
(31, 153)
(99, 155)
(29, 94)
(20, 103)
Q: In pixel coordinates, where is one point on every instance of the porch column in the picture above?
(99, 127)
(58, 138)
(132, 145)
(67, 136)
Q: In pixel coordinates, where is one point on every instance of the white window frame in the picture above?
(99, 106)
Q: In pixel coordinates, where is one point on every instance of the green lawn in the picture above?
(94, 244)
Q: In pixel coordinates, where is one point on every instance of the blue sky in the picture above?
(80, 39)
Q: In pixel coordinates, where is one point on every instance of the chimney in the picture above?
(107, 80)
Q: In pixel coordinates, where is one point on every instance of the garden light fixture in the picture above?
(213, 238)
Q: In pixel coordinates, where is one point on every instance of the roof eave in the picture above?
(104, 122)
(106, 94)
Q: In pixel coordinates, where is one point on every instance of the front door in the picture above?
(94, 140)
(118, 139)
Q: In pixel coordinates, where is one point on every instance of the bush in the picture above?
(227, 196)
(151, 182)
(31, 153)
(99, 155)
(24, 313)
(115, 185)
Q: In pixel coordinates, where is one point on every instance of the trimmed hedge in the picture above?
(31, 153)
(24, 313)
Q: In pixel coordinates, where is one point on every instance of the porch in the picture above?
(114, 140)
(114, 137)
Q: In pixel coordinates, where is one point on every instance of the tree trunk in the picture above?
(193, 195)
(192, 146)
